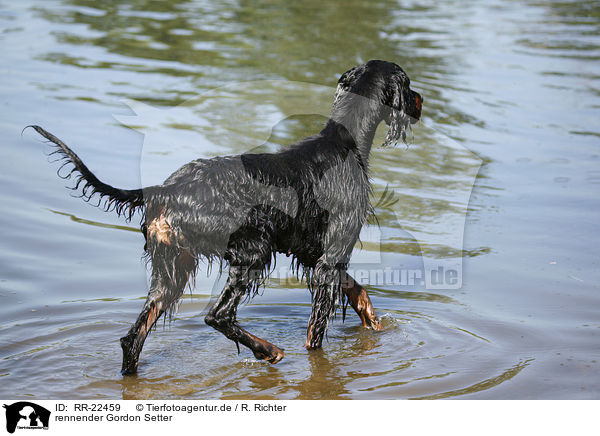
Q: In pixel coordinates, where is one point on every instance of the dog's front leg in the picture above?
(360, 302)
(325, 299)
(325, 285)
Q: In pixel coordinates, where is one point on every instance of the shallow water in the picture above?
(512, 93)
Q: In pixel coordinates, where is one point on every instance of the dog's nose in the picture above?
(418, 101)
(415, 111)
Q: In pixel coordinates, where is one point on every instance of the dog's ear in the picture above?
(346, 81)
(398, 120)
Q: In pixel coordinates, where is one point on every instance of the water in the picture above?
(512, 93)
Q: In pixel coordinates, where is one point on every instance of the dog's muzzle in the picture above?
(415, 108)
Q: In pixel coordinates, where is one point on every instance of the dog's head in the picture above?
(389, 86)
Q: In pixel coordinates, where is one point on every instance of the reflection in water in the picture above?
(325, 381)
(407, 295)
(335, 372)
(96, 223)
(483, 385)
(210, 44)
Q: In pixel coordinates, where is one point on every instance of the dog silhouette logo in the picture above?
(26, 415)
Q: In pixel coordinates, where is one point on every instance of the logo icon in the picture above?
(26, 415)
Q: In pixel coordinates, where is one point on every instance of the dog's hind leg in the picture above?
(165, 290)
(222, 317)
(360, 302)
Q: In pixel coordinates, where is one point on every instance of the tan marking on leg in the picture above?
(308, 338)
(361, 303)
(152, 316)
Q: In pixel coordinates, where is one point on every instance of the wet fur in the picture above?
(309, 201)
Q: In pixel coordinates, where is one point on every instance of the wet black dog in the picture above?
(308, 201)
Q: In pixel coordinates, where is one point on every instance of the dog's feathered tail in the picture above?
(124, 202)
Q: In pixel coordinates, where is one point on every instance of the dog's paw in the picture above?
(375, 324)
(270, 353)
